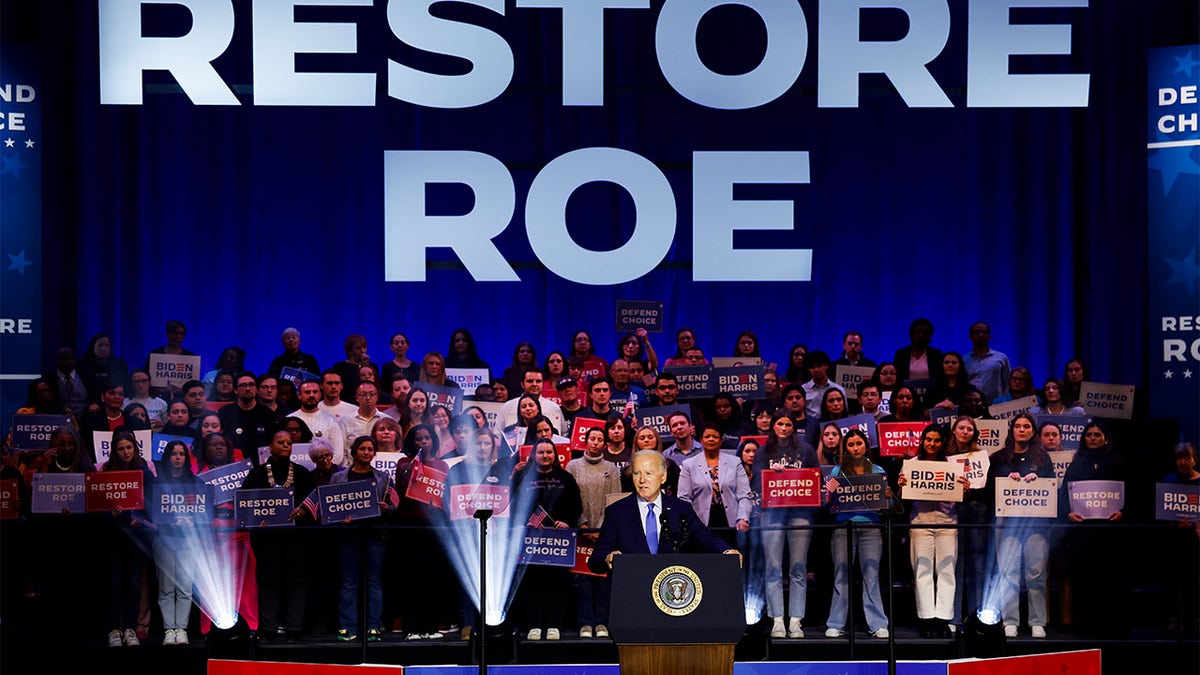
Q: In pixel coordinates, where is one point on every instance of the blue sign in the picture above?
(635, 314)
(226, 479)
(548, 546)
(53, 492)
(33, 432)
(864, 423)
(175, 504)
(350, 501)
(694, 381)
(159, 443)
(264, 507)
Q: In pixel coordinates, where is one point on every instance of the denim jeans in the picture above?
(773, 534)
(1022, 542)
(353, 547)
(868, 545)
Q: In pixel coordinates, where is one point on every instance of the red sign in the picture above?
(760, 440)
(900, 439)
(593, 369)
(8, 499)
(106, 490)
(584, 545)
(579, 432)
(466, 499)
(426, 484)
(564, 453)
(791, 487)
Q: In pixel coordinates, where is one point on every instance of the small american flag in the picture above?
(831, 486)
(539, 517)
(391, 496)
(310, 504)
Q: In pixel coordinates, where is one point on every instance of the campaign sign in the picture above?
(8, 499)
(976, 466)
(745, 382)
(885, 402)
(466, 499)
(1062, 459)
(635, 314)
(106, 490)
(864, 423)
(1176, 501)
(1009, 409)
(339, 502)
(585, 543)
(992, 435)
(732, 361)
(761, 440)
(449, 398)
(563, 455)
(264, 507)
(548, 546)
(426, 484)
(866, 492)
(53, 492)
(656, 417)
(1037, 498)
(226, 479)
(297, 376)
(181, 504)
(694, 381)
(579, 431)
(791, 487)
(300, 456)
(919, 387)
(848, 377)
(33, 432)
(158, 443)
(1096, 499)
(386, 462)
(931, 481)
(468, 379)
(594, 368)
(1070, 426)
(900, 439)
(942, 416)
(491, 412)
(168, 369)
(1107, 400)
(102, 441)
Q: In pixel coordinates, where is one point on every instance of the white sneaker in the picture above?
(585, 631)
(1038, 631)
(952, 628)
(1010, 631)
(834, 633)
(882, 633)
(169, 638)
(114, 638)
(534, 634)
(777, 629)
(601, 631)
(794, 629)
(131, 638)
(552, 634)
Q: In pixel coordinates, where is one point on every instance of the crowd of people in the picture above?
(310, 580)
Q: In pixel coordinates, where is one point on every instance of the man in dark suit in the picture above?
(650, 521)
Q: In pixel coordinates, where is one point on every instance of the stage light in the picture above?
(982, 634)
(230, 642)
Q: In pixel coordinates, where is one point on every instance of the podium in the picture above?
(676, 613)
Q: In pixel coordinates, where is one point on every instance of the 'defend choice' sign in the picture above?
(278, 39)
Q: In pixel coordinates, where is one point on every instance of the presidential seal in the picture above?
(677, 590)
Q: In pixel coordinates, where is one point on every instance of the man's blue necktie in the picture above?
(651, 529)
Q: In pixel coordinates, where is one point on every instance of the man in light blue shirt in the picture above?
(987, 368)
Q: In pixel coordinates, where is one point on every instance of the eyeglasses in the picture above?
(368, 394)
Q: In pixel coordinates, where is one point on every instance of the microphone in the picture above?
(664, 527)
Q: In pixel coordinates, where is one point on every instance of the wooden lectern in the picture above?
(676, 613)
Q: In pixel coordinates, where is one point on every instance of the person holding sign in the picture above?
(1185, 541)
(784, 449)
(714, 483)
(363, 542)
(1053, 403)
(556, 503)
(124, 546)
(975, 511)
(282, 556)
(597, 478)
(176, 569)
(1023, 460)
(867, 544)
(933, 551)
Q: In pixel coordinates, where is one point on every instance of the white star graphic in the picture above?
(1187, 374)
(1167, 374)
(8, 142)
(29, 143)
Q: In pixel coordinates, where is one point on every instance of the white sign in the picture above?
(1107, 400)
(102, 441)
(1009, 409)
(1037, 498)
(848, 378)
(468, 378)
(168, 369)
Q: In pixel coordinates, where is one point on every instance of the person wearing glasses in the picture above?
(364, 419)
(248, 423)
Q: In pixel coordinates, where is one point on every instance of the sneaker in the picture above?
(114, 638)
(585, 631)
(435, 635)
(1038, 631)
(169, 638)
(834, 633)
(448, 630)
(373, 635)
(346, 635)
(777, 629)
(1010, 631)
(882, 633)
(534, 634)
(794, 629)
(552, 634)
(601, 631)
(131, 638)
(181, 637)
